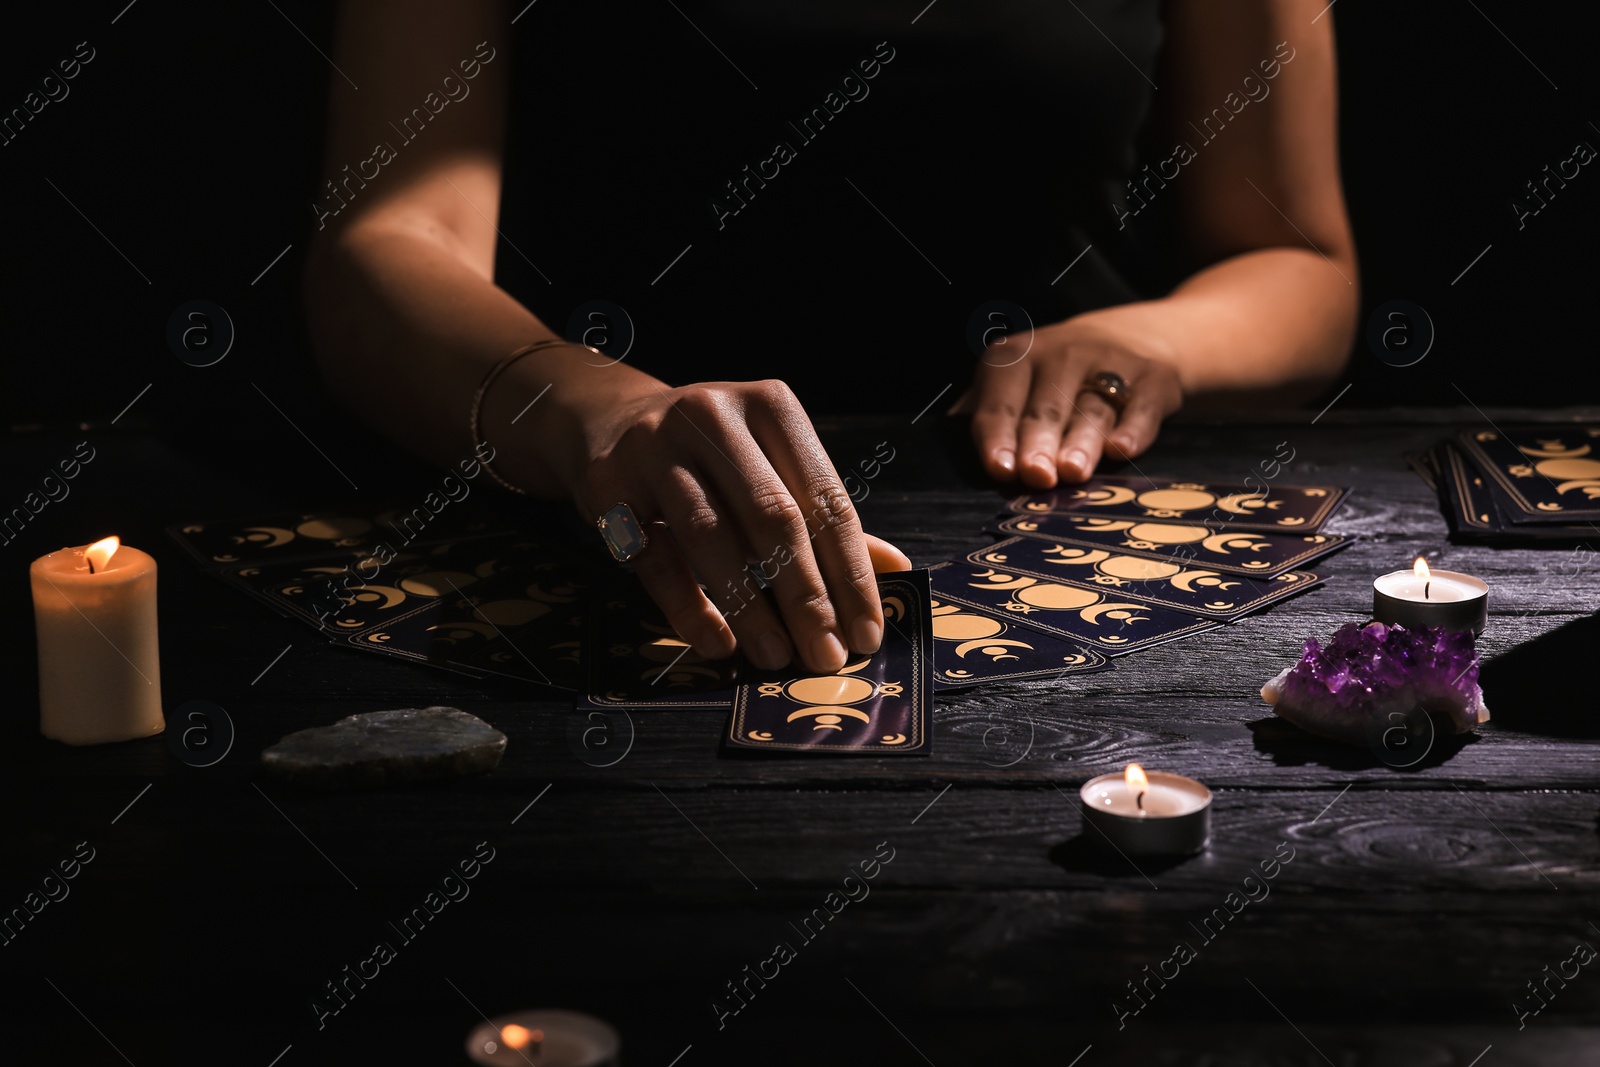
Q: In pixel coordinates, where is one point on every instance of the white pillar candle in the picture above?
(1147, 814)
(94, 608)
(1425, 597)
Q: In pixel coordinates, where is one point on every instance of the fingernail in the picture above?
(771, 651)
(1006, 460)
(830, 653)
(1042, 462)
(867, 635)
(1078, 460)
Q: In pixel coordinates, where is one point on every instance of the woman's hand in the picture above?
(1033, 416)
(737, 475)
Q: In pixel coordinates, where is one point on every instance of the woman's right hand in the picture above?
(736, 473)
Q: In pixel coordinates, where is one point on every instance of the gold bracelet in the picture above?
(488, 379)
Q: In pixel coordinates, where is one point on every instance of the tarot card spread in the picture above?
(307, 536)
(1164, 583)
(1266, 506)
(1113, 625)
(500, 604)
(879, 704)
(512, 610)
(971, 648)
(1234, 551)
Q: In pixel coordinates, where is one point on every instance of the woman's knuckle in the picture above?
(775, 389)
(700, 403)
(1045, 411)
(808, 599)
(858, 572)
(702, 520)
(834, 510)
(777, 508)
(998, 411)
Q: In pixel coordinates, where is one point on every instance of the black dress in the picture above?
(826, 192)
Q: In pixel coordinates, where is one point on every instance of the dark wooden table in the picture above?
(636, 870)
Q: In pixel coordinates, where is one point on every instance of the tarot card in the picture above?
(300, 536)
(635, 660)
(455, 633)
(356, 593)
(1425, 463)
(970, 648)
(1548, 473)
(1469, 507)
(1265, 506)
(1232, 551)
(880, 704)
(1113, 625)
(1163, 583)
(1475, 508)
(514, 611)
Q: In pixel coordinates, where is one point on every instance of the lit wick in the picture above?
(521, 1038)
(1137, 782)
(1420, 569)
(102, 550)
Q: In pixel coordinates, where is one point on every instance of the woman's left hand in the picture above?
(1034, 416)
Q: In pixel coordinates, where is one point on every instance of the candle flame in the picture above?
(516, 1036)
(100, 553)
(1136, 779)
(1420, 569)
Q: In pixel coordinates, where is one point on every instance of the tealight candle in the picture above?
(94, 608)
(1425, 597)
(549, 1037)
(1154, 814)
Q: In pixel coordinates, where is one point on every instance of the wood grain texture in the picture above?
(1432, 894)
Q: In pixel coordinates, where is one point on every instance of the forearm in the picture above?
(1275, 321)
(405, 331)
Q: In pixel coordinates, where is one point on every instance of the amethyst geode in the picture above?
(1374, 671)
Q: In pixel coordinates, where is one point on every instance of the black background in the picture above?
(193, 142)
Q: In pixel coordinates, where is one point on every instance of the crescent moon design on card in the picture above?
(265, 536)
(1104, 497)
(1554, 450)
(1247, 503)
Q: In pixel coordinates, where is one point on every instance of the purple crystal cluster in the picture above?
(1373, 670)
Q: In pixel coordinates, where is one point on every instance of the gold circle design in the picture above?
(1567, 469)
(1167, 534)
(966, 627)
(1057, 597)
(1176, 499)
(331, 528)
(1132, 567)
(830, 690)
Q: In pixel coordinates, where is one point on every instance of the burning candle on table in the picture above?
(1425, 597)
(94, 609)
(546, 1038)
(1150, 814)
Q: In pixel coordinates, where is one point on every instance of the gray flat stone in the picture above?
(379, 748)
